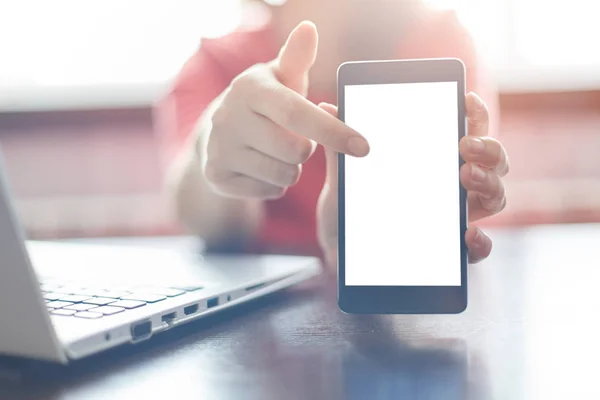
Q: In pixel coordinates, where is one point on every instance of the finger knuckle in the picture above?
(219, 117)
(465, 174)
(253, 85)
(506, 167)
(287, 110)
(333, 138)
(213, 171)
(267, 167)
(215, 148)
(474, 258)
(497, 201)
(280, 173)
(244, 83)
(465, 168)
(500, 190)
(275, 192)
(502, 204)
(240, 187)
(290, 175)
(496, 151)
(300, 151)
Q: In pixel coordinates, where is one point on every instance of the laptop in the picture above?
(66, 300)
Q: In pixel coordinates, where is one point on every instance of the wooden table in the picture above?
(531, 332)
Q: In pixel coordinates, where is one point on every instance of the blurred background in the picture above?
(79, 78)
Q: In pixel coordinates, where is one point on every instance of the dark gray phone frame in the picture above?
(402, 299)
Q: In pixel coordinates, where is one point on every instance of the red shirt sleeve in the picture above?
(441, 35)
(199, 82)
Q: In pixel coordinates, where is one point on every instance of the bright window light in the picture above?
(557, 33)
(50, 48)
(82, 42)
(485, 20)
(534, 45)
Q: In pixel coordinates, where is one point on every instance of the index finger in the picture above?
(293, 112)
(485, 151)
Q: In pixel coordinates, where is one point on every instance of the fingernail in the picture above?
(358, 146)
(478, 101)
(476, 145)
(477, 174)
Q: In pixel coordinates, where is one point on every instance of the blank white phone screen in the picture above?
(402, 207)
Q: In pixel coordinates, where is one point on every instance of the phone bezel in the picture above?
(402, 299)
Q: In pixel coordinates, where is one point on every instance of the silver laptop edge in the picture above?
(122, 332)
(28, 330)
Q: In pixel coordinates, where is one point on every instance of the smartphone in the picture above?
(402, 210)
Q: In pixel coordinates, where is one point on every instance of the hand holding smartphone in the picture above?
(406, 195)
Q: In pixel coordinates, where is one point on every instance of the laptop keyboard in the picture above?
(97, 302)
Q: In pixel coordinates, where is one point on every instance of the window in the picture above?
(124, 52)
(534, 45)
(71, 42)
(550, 34)
(115, 51)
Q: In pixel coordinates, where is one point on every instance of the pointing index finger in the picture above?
(295, 113)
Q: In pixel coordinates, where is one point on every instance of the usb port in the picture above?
(190, 309)
(141, 330)
(168, 318)
(212, 302)
(254, 287)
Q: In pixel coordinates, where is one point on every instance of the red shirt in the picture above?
(290, 222)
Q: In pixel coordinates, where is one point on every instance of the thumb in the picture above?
(331, 157)
(297, 56)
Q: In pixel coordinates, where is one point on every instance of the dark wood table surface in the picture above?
(532, 331)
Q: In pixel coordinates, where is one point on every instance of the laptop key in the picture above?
(88, 315)
(189, 288)
(108, 310)
(114, 294)
(74, 298)
(128, 304)
(145, 297)
(62, 311)
(59, 304)
(53, 296)
(169, 292)
(88, 292)
(120, 288)
(99, 301)
(80, 307)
